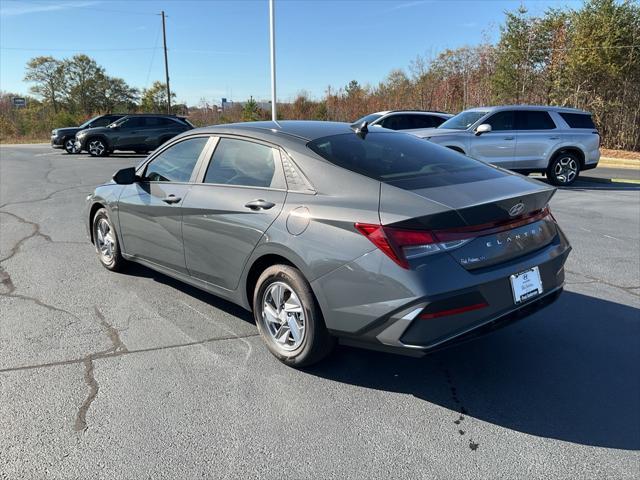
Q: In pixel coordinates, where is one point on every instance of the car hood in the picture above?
(97, 130)
(436, 132)
(66, 130)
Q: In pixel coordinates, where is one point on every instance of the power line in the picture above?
(153, 56)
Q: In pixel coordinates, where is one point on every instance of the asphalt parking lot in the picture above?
(135, 375)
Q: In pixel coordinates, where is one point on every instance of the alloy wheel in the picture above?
(565, 169)
(96, 147)
(105, 240)
(283, 315)
(70, 146)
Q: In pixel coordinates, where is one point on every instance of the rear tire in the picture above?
(288, 317)
(97, 147)
(105, 239)
(564, 169)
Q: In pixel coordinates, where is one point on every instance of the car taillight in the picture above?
(401, 245)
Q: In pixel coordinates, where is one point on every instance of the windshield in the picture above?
(118, 122)
(401, 160)
(372, 117)
(88, 122)
(464, 120)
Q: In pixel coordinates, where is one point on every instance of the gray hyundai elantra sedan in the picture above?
(328, 231)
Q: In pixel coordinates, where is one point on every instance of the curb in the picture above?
(609, 180)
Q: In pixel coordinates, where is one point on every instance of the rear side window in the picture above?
(401, 160)
(102, 122)
(578, 120)
(176, 163)
(534, 120)
(238, 162)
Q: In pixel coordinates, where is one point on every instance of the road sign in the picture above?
(19, 102)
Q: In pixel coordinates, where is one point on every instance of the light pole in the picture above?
(166, 63)
(272, 45)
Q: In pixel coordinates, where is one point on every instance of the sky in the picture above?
(221, 48)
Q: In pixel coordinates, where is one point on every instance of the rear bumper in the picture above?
(382, 310)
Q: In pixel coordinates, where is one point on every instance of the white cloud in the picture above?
(11, 8)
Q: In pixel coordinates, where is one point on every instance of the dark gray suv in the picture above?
(138, 133)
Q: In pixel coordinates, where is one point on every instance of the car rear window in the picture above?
(578, 120)
(402, 160)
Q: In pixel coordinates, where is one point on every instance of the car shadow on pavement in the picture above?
(568, 372)
(137, 270)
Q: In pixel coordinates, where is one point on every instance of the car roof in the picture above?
(527, 107)
(301, 129)
(426, 112)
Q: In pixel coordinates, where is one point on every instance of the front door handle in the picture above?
(509, 138)
(259, 204)
(171, 199)
(554, 138)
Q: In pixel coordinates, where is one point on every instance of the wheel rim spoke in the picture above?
(283, 316)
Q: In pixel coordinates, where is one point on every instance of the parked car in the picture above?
(140, 133)
(66, 137)
(405, 119)
(325, 231)
(558, 142)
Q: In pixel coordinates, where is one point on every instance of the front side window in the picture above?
(501, 121)
(426, 121)
(238, 162)
(463, 120)
(131, 122)
(534, 120)
(398, 122)
(101, 122)
(176, 163)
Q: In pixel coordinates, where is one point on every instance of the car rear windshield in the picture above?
(402, 160)
(578, 120)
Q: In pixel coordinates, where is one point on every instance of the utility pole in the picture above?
(272, 43)
(166, 63)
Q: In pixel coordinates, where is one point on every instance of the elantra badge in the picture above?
(516, 210)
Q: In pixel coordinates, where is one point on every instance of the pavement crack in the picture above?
(110, 353)
(604, 282)
(89, 378)
(35, 233)
(112, 333)
(47, 197)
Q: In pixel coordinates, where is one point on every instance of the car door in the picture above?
(150, 211)
(536, 139)
(241, 192)
(131, 133)
(499, 145)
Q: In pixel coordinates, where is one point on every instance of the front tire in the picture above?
(70, 146)
(97, 147)
(564, 169)
(289, 318)
(105, 239)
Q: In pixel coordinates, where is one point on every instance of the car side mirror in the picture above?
(484, 128)
(126, 176)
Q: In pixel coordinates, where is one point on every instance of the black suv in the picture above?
(66, 137)
(139, 133)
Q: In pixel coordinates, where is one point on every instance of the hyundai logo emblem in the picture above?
(516, 210)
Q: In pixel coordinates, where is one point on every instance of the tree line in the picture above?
(587, 58)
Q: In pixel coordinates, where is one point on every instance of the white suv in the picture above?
(558, 142)
(404, 119)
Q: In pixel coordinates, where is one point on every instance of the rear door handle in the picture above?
(259, 204)
(554, 138)
(509, 138)
(171, 199)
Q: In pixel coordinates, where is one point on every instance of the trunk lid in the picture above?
(494, 220)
